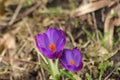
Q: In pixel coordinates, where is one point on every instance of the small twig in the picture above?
(19, 60)
(21, 48)
(29, 62)
(31, 9)
(95, 25)
(106, 78)
(3, 23)
(72, 39)
(2, 54)
(27, 12)
(86, 44)
(16, 12)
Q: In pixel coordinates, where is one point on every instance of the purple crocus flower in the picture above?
(72, 60)
(51, 43)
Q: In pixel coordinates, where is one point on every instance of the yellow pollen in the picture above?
(72, 62)
(52, 47)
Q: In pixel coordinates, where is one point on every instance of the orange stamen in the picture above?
(52, 47)
(72, 62)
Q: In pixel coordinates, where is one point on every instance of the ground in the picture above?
(93, 26)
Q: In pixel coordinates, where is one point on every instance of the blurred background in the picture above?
(91, 25)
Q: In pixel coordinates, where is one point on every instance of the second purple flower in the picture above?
(72, 60)
(51, 43)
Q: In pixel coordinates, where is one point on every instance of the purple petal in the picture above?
(68, 56)
(71, 68)
(61, 41)
(56, 55)
(52, 35)
(77, 56)
(47, 53)
(42, 41)
(78, 68)
(57, 37)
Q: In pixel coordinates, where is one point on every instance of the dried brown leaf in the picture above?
(109, 25)
(10, 41)
(91, 7)
(108, 31)
(2, 45)
(117, 22)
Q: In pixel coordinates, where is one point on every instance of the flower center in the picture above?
(72, 62)
(52, 47)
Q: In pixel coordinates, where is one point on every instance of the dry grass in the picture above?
(90, 25)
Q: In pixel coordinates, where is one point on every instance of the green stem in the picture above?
(70, 76)
(54, 68)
